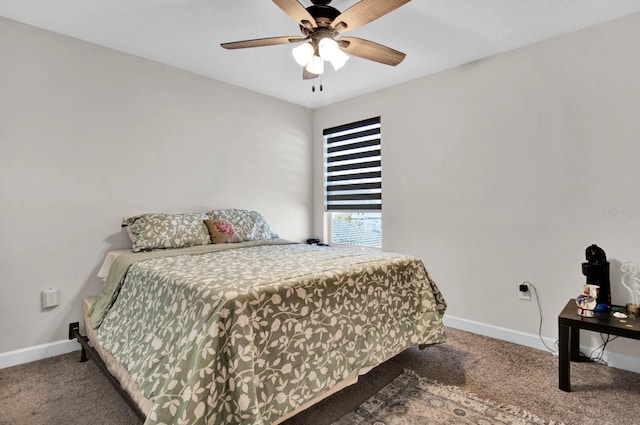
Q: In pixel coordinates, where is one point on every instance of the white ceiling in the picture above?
(435, 34)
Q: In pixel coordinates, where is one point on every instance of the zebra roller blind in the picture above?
(354, 167)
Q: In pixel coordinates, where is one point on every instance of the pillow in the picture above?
(161, 231)
(249, 225)
(222, 231)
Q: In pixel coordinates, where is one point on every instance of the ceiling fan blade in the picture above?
(297, 12)
(364, 12)
(369, 50)
(260, 42)
(306, 75)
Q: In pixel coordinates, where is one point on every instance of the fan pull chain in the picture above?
(313, 87)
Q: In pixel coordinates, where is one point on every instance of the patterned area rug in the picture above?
(412, 400)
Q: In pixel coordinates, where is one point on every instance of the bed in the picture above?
(253, 332)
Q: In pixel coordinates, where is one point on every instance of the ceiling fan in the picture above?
(322, 27)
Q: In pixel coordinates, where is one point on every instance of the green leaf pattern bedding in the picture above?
(247, 334)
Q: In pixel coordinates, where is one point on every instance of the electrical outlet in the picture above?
(525, 294)
(50, 297)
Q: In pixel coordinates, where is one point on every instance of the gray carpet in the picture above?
(62, 391)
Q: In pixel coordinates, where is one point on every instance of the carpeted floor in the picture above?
(62, 391)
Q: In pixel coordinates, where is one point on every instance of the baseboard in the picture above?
(38, 352)
(517, 337)
(619, 361)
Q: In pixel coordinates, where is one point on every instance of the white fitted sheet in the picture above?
(108, 260)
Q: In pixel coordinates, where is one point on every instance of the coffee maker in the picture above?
(596, 269)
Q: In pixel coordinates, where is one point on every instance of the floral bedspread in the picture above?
(247, 334)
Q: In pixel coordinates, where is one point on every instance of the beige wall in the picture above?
(504, 170)
(88, 135)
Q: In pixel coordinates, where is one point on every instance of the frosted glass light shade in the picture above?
(328, 48)
(316, 66)
(339, 59)
(303, 54)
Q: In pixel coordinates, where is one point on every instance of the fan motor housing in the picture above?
(323, 14)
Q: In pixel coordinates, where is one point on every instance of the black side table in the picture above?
(569, 325)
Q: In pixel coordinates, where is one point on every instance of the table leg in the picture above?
(574, 341)
(564, 365)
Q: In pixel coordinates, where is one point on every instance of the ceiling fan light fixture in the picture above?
(303, 54)
(322, 26)
(328, 48)
(316, 66)
(339, 60)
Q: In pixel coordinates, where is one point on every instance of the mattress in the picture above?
(254, 333)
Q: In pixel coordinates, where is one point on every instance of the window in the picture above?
(353, 177)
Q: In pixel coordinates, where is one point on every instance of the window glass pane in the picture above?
(356, 228)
